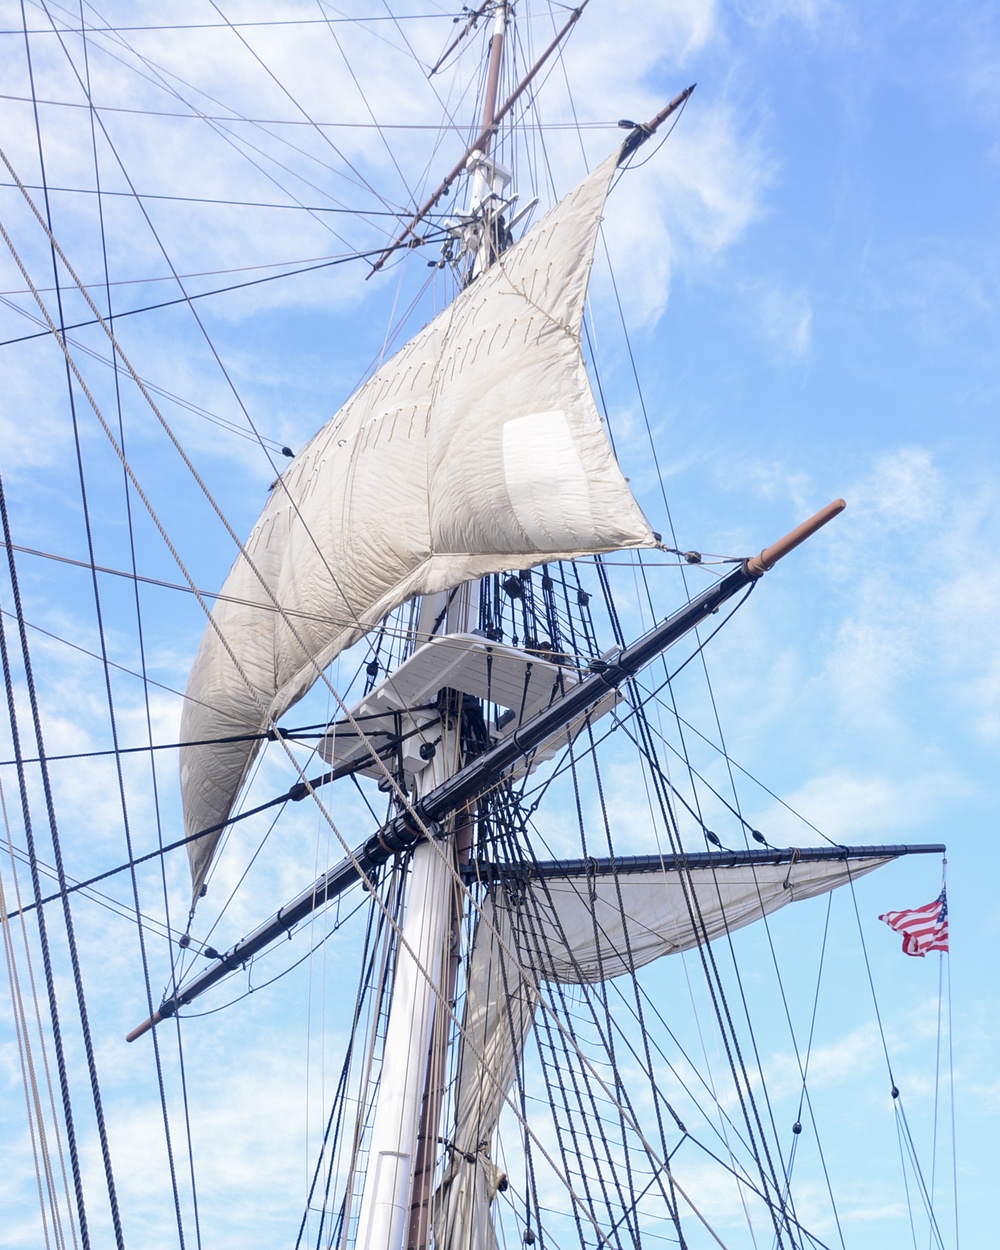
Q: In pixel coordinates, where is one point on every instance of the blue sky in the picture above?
(808, 269)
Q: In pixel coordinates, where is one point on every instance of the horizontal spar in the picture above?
(633, 864)
(469, 782)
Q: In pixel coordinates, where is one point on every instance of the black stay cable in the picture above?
(236, 286)
(295, 794)
(126, 825)
(36, 888)
(713, 978)
(43, 765)
(46, 959)
(269, 736)
(720, 1004)
(141, 859)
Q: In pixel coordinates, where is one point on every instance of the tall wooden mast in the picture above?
(395, 1205)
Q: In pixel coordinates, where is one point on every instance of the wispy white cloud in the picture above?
(785, 321)
(812, 16)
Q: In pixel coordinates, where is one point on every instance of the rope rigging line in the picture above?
(81, 348)
(937, 1081)
(47, 965)
(165, 585)
(907, 1147)
(245, 24)
(188, 297)
(48, 1196)
(297, 792)
(641, 718)
(411, 194)
(295, 103)
(804, 1097)
(215, 200)
(157, 1058)
(338, 1106)
(159, 75)
(951, 1099)
(233, 891)
(434, 127)
(37, 726)
(263, 985)
(115, 906)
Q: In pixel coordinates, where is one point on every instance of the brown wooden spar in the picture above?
(770, 556)
(642, 130)
(146, 1025)
(469, 25)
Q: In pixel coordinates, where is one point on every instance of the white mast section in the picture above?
(385, 1205)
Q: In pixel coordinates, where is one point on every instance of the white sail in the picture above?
(573, 930)
(478, 447)
(592, 928)
(499, 1010)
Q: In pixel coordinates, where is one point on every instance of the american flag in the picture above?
(923, 928)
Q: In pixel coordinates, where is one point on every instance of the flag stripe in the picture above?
(923, 928)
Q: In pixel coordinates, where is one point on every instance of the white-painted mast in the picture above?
(385, 1205)
(404, 1137)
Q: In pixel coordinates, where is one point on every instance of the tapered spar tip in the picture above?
(770, 556)
(146, 1025)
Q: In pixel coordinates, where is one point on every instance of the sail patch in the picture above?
(545, 478)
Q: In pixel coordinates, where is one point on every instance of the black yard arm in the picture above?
(487, 769)
(487, 871)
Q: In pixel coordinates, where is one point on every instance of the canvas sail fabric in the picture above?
(477, 448)
(499, 1009)
(587, 929)
(577, 930)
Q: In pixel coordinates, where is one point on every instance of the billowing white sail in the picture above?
(478, 447)
(577, 929)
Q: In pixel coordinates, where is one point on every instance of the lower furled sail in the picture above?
(586, 922)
